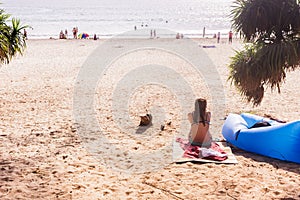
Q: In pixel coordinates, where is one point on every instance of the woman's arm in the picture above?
(190, 117)
(208, 116)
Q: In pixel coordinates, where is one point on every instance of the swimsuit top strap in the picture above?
(205, 121)
(200, 122)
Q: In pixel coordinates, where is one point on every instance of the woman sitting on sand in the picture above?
(200, 119)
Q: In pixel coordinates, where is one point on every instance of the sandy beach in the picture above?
(46, 154)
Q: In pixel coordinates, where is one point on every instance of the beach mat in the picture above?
(178, 155)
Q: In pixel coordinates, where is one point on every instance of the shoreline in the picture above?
(144, 34)
(212, 41)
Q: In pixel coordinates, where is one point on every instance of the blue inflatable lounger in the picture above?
(276, 140)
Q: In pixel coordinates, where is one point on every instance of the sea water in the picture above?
(107, 18)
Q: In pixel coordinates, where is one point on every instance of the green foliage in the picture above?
(12, 40)
(273, 28)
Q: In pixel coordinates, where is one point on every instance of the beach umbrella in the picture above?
(83, 36)
(86, 35)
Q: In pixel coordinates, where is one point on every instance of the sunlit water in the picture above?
(110, 17)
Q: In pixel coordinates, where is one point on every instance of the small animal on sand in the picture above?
(146, 120)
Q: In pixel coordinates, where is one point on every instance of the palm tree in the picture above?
(272, 30)
(12, 40)
(4, 30)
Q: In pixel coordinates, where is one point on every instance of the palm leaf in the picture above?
(12, 40)
(273, 27)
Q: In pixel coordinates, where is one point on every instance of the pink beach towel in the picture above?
(213, 153)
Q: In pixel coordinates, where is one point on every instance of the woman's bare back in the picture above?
(200, 131)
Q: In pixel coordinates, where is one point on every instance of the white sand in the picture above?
(43, 156)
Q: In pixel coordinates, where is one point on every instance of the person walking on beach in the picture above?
(25, 34)
(151, 33)
(230, 37)
(74, 32)
(218, 37)
(203, 32)
(200, 120)
(154, 33)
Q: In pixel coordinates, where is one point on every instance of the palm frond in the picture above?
(273, 27)
(12, 40)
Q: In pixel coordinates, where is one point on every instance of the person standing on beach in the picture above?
(61, 35)
(230, 37)
(151, 33)
(74, 33)
(25, 34)
(218, 37)
(66, 34)
(203, 32)
(154, 33)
